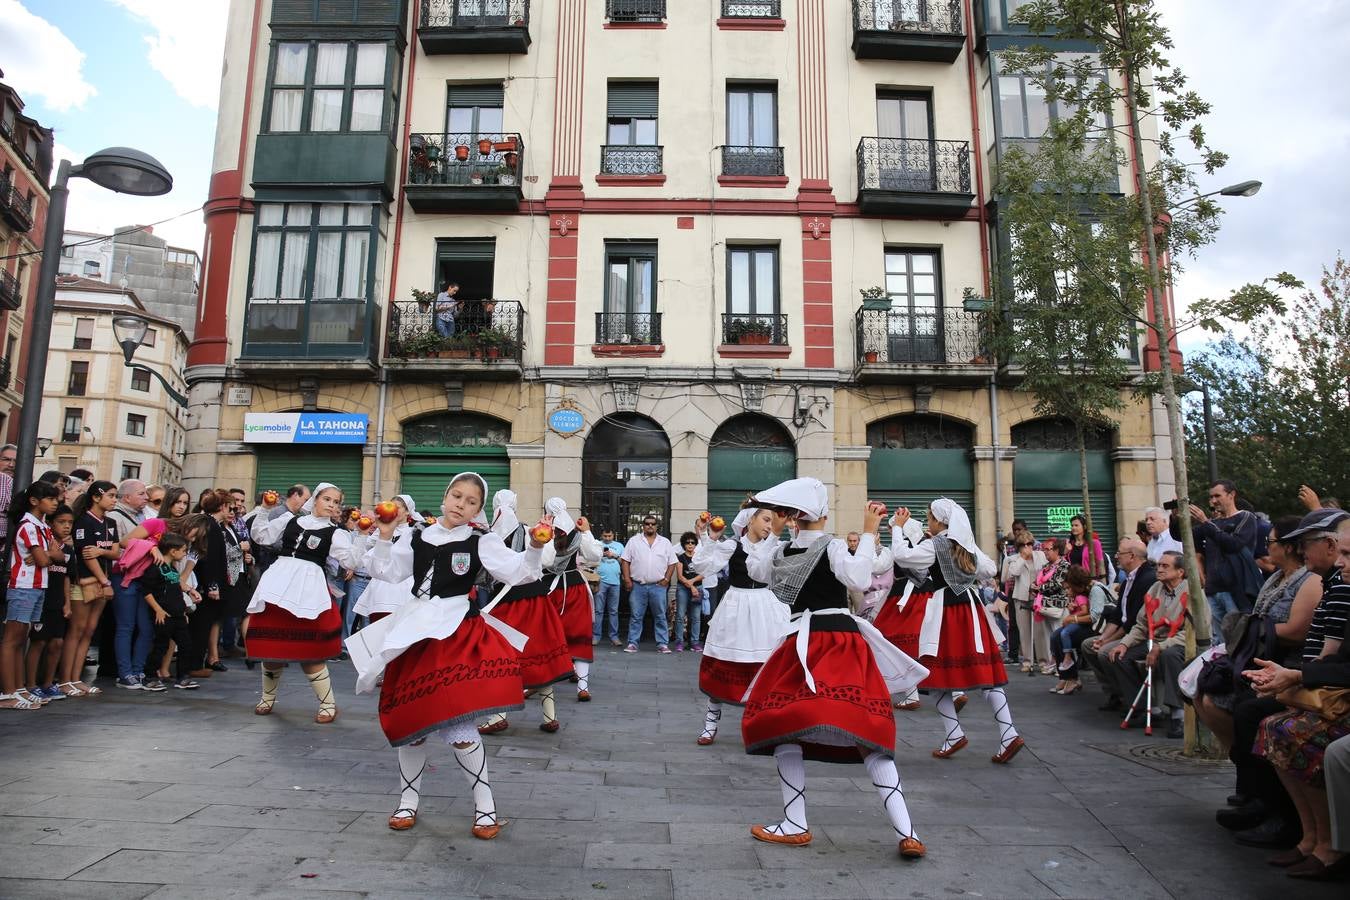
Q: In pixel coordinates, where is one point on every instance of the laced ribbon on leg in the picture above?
(947, 709)
(886, 779)
(998, 702)
(412, 762)
(710, 720)
(495, 718)
(473, 761)
(271, 681)
(583, 669)
(792, 779)
(546, 702)
(323, 689)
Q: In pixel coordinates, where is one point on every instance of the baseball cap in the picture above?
(1325, 519)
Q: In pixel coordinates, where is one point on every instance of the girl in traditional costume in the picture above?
(380, 597)
(568, 591)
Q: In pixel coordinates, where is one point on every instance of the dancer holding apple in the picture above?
(383, 597)
(568, 591)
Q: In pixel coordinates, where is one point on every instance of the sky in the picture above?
(146, 73)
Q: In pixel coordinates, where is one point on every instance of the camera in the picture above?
(1170, 505)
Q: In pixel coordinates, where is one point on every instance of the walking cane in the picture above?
(1146, 689)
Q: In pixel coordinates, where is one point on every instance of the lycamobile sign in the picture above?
(305, 428)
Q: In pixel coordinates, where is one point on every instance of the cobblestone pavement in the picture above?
(190, 795)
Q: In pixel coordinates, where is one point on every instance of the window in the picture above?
(70, 428)
(914, 324)
(68, 251)
(906, 152)
(135, 425)
(84, 334)
(630, 294)
(752, 131)
(474, 109)
(1023, 109)
(140, 380)
(635, 10)
(322, 86)
(149, 339)
(79, 379)
(752, 281)
(631, 133)
(131, 470)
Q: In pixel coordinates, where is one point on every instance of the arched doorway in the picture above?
(747, 453)
(1047, 487)
(438, 447)
(626, 473)
(918, 458)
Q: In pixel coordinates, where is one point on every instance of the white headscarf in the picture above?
(958, 523)
(504, 519)
(557, 507)
(408, 502)
(481, 517)
(308, 508)
(806, 495)
(742, 520)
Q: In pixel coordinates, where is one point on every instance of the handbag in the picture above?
(1329, 703)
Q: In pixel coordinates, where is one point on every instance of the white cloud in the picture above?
(187, 44)
(40, 61)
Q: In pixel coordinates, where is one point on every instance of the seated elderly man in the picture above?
(1140, 575)
(1168, 623)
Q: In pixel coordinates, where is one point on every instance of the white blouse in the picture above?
(388, 561)
(854, 571)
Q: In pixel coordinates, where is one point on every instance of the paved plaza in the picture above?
(191, 795)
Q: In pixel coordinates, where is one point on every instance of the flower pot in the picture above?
(462, 152)
(505, 146)
(511, 158)
(876, 303)
(870, 356)
(475, 178)
(485, 146)
(506, 178)
(433, 152)
(753, 337)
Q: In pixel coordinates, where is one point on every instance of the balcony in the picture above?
(630, 164)
(628, 329)
(635, 12)
(482, 26)
(315, 337)
(488, 339)
(904, 345)
(914, 176)
(461, 172)
(752, 164)
(15, 208)
(11, 292)
(909, 30)
(752, 9)
(754, 334)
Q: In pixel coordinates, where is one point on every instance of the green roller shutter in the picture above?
(734, 472)
(1047, 492)
(279, 467)
(427, 472)
(915, 478)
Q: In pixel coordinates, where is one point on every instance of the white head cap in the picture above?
(504, 520)
(308, 508)
(557, 507)
(958, 523)
(481, 517)
(806, 495)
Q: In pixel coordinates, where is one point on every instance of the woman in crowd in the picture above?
(96, 546)
(748, 622)
(440, 630)
(568, 592)
(1086, 549)
(218, 575)
(688, 596)
(1021, 569)
(1047, 591)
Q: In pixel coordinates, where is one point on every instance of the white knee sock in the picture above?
(323, 689)
(583, 669)
(271, 681)
(495, 718)
(473, 761)
(710, 720)
(547, 703)
(947, 709)
(886, 779)
(911, 695)
(412, 762)
(792, 779)
(998, 702)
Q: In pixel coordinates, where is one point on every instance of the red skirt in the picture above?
(438, 683)
(275, 635)
(725, 682)
(851, 703)
(901, 626)
(545, 659)
(958, 666)
(574, 606)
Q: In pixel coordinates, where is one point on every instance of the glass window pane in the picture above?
(645, 132)
(897, 262)
(461, 120)
(888, 117)
(358, 214)
(293, 265)
(354, 264)
(738, 119)
(740, 282)
(765, 278)
(326, 112)
(298, 213)
(915, 114)
(643, 302)
(1010, 106)
(269, 213)
(897, 284)
(489, 119)
(327, 254)
(330, 64)
(617, 301)
(330, 214)
(370, 63)
(619, 133)
(291, 60)
(764, 132)
(923, 262)
(286, 106)
(367, 110)
(924, 284)
(1038, 112)
(265, 260)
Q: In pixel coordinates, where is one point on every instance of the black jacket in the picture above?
(1131, 603)
(210, 569)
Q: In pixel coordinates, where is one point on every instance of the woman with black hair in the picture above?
(96, 546)
(32, 549)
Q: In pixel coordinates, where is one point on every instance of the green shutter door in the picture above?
(279, 467)
(735, 472)
(915, 478)
(1047, 492)
(427, 472)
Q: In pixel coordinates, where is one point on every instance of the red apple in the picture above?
(543, 532)
(364, 523)
(270, 498)
(386, 511)
(718, 523)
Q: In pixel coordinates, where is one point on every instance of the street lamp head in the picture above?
(1241, 189)
(43, 445)
(126, 171)
(130, 331)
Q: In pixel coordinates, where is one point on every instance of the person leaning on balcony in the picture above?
(1021, 568)
(445, 309)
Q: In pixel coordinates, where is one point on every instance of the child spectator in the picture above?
(1074, 627)
(164, 594)
(688, 596)
(32, 550)
(49, 635)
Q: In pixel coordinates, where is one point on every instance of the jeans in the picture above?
(355, 588)
(133, 618)
(606, 607)
(1066, 640)
(639, 598)
(688, 608)
(1221, 603)
(445, 327)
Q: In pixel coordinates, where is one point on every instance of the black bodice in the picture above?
(311, 546)
(453, 566)
(823, 591)
(739, 574)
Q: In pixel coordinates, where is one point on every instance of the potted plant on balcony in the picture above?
(424, 299)
(454, 348)
(419, 346)
(749, 331)
(484, 147)
(462, 152)
(505, 176)
(507, 145)
(875, 297)
(475, 177)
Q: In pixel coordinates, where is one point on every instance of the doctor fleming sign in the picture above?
(305, 428)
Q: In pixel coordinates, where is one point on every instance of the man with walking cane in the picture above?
(1157, 638)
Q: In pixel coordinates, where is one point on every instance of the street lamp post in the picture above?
(130, 331)
(119, 169)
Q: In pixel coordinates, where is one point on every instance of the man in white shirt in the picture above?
(1160, 538)
(648, 564)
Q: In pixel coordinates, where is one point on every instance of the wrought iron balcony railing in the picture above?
(754, 328)
(922, 16)
(940, 337)
(752, 9)
(483, 330)
(630, 159)
(635, 10)
(465, 159)
(913, 164)
(752, 160)
(11, 296)
(16, 208)
(480, 14)
(628, 328)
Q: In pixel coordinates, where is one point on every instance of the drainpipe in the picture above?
(998, 463)
(379, 432)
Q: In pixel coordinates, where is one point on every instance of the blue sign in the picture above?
(305, 428)
(566, 421)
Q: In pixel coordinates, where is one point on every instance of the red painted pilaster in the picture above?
(565, 196)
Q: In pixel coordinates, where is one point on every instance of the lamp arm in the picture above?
(180, 399)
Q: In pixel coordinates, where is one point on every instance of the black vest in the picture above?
(823, 591)
(311, 546)
(441, 562)
(567, 561)
(739, 574)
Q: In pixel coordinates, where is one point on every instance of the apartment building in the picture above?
(646, 256)
(165, 279)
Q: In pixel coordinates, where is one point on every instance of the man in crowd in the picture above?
(1140, 574)
(607, 597)
(647, 565)
(1232, 578)
(1168, 654)
(9, 455)
(135, 628)
(1159, 526)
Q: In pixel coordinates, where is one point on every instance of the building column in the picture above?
(564, 197)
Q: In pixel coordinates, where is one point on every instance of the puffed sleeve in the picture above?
(590, 548)
(268, 532)
(548, 556)
(884, 560)
(984, 566)
(349, 548)
(505, 565)
(711, 555)
(760, 557)
(854, 570)
(389, 561)
(920, 556)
